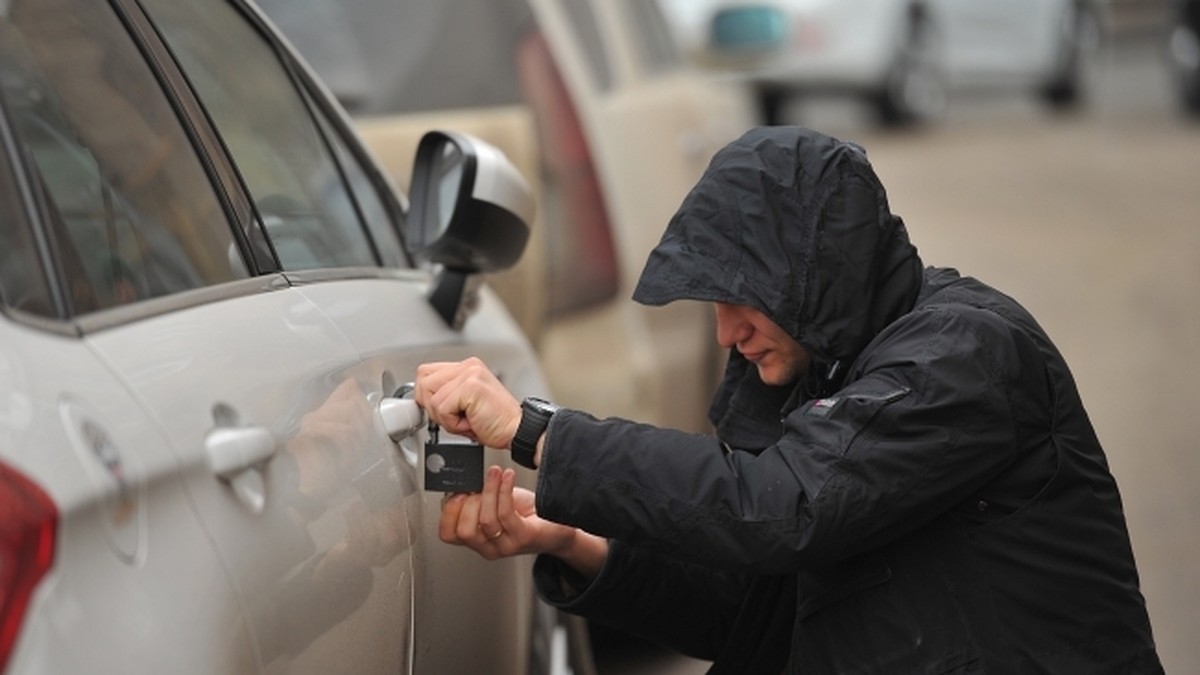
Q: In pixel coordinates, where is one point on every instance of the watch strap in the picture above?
(535, 417)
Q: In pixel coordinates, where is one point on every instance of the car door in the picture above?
(299, 487)
(388, 320)
(332, 228)
(131, 582)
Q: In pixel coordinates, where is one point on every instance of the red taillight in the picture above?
(28, 521)
(581, 255)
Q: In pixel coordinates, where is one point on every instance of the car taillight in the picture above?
(28, 522)
(581, 255)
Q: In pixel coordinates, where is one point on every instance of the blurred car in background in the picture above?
(1183, 53)
(591, 99)
(209, 305)
(901, 56)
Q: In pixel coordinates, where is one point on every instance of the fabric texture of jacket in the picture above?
(931, 499)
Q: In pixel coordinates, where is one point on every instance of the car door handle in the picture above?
(234, 454)
(401, 417)
(232, 450)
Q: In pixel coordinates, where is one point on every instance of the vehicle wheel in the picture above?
(771, 102)
(562, 644)
(915, 88)
(1184, 53)
(1079, 36)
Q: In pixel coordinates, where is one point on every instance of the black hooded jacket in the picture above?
(931, 499)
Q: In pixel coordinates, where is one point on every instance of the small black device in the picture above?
(452, 467)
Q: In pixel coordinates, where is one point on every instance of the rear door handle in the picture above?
(232, 450)
(234, 455)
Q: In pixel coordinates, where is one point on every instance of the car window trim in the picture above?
(268, 283)
(327, 274)
(216, 160)
(34, 217)
(125, 314)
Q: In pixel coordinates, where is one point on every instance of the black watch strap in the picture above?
(535, 417)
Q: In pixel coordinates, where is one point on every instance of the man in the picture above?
(903, 479)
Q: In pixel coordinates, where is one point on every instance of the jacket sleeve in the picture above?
(924, 421)
(645, 594)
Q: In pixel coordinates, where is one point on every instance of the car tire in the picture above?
(1079, 35)
(1183, 49)
(561, 644)
(772, 100)
(914, 90)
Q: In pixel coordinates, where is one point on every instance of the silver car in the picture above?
(211, 301)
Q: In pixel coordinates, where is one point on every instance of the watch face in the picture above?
(541, 405)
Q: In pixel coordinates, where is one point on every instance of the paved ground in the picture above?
(1093, 221)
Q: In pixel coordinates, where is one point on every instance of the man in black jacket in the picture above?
(903, 477)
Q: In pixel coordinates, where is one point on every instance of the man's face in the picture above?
(779, 358)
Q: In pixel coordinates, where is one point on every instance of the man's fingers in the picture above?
(452, 506)
(430, 378)
(467, 529)
(510, 520)
(489, 522)
(441, 390)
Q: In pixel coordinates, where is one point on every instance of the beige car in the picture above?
(591, 98)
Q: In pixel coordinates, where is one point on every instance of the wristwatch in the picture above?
(535, 417)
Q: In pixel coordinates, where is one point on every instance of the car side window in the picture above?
(311, 214)
(127, 204)
(656, 47)
(391, 249)
(583, 24)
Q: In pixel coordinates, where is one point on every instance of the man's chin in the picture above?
(771, 376)
(775, 375)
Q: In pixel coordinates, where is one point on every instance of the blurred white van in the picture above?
(901, 56)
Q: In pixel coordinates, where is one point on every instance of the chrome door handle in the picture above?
(232, 450)
(401, 417)
(234, 455)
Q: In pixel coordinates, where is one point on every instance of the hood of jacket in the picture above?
(795, 224)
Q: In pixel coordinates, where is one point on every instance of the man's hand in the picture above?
(502, 521)
(466, 399)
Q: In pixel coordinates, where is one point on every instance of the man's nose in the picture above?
(731, 328)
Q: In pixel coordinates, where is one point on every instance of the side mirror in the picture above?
(470, 213)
